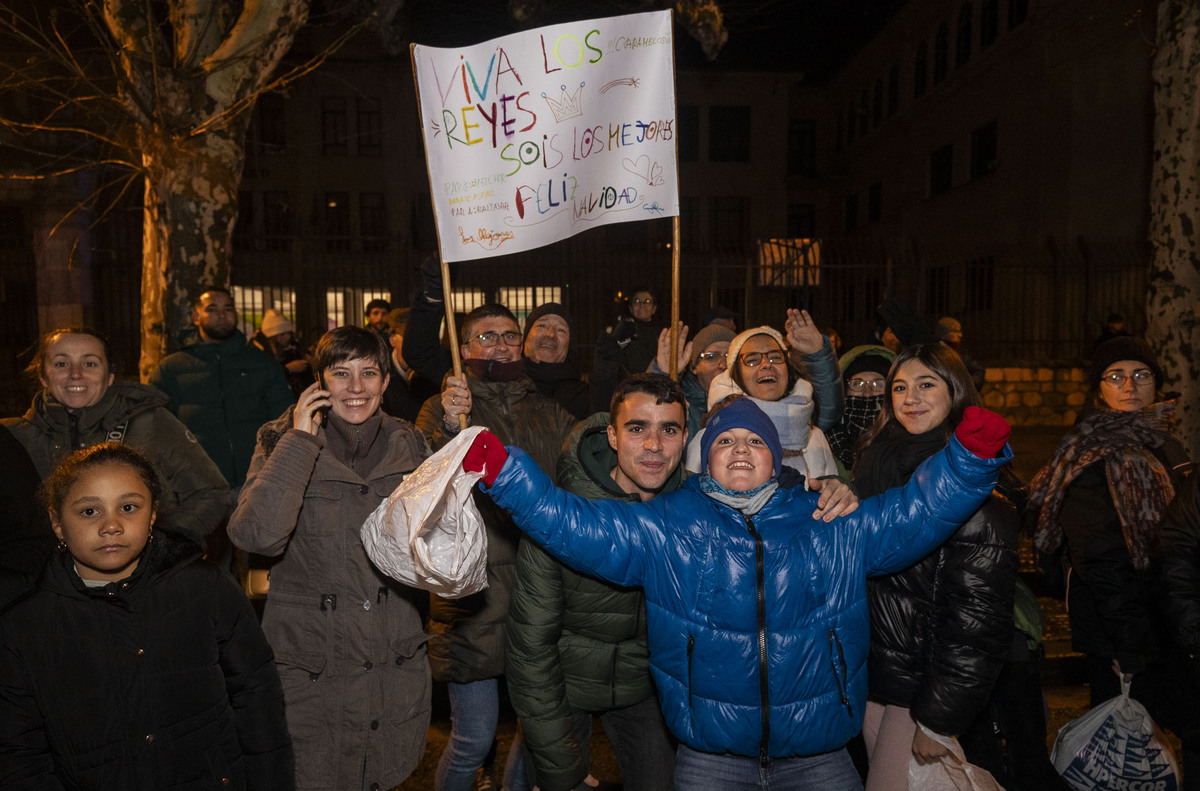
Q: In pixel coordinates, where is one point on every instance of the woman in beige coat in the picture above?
(348, 640)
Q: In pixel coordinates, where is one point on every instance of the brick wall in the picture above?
(1035, 396)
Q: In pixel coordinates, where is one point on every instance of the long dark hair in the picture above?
(943, 361)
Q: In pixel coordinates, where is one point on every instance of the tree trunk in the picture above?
(190, 206)
(1174, 283)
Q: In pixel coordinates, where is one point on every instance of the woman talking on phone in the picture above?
(348, 640)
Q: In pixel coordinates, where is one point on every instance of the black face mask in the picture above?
(496, 371)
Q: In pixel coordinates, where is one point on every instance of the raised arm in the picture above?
(605, 538)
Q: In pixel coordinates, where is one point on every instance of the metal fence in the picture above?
(1019, 304)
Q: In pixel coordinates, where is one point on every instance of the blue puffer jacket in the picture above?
(758, 626)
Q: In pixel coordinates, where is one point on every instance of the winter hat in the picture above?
(945, 326)
(707, 336)
(1124, 347)
(739, 340)
(719, 312)
(866, 358)
(397, 320)
(741, 413)
(545, 308)
(906, 325)
(274, 323)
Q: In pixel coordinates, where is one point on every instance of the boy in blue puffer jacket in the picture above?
(756, 602)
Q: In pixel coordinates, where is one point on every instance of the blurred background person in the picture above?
(278, 338)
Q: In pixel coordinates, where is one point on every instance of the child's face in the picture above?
(105, 522)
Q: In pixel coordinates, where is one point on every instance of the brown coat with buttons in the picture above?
(348, 640)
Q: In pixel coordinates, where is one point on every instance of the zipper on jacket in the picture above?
(612, 680)
(764, 693)
(691, 645)
(837, 658)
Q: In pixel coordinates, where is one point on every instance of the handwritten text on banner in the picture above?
(537, 136)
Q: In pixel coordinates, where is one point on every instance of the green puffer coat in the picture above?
(197, 496)
(468, 641)
(574, 641)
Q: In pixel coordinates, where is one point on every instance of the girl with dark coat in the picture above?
(134, 664)
(941, 628)
(1102, 498)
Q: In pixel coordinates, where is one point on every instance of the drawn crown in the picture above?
(566, 106)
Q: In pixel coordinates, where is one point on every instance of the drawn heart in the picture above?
(650, 172)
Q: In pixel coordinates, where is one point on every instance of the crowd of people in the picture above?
(780, 568)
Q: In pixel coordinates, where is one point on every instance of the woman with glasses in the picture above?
(1102, 496)
(864, 374)
(796, 382)
(942, 627)
(704, 359)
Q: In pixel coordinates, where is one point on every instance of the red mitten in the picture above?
(487, 455)
(982, 432)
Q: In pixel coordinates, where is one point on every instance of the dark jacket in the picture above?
(198, 496)
(1109, 602)
(347, 639)
(25, 536)
(223, 392)
(159, 681)
(468, 640)
(574, 642)
(406, 394)
(941, 628)
(561, 382)
(1176, 565)
(758, 626)
(616, 357)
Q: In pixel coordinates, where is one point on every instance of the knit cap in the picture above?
(867, 357)
(906, 325)
(741, 413)
(1124, 347)
(707, 336)
(545, 308)
(739, 340)
(274, 323)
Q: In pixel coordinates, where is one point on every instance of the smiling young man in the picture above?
(576, 645)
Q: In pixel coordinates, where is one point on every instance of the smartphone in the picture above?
(322, 411)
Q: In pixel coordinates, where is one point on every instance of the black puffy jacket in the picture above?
(162, 680)
(941, 628)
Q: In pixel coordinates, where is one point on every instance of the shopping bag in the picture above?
(428, 532)
(1115, 745)
(951, 773)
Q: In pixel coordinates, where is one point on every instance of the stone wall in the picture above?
(1035, 396)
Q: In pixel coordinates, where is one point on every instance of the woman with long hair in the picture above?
(940, 628)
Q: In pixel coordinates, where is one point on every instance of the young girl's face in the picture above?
(105, 521)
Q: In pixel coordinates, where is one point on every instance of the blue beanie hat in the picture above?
(741, 413)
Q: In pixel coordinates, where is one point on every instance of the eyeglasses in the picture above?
(1117, 380)
(643, 301)
(860, 385)
(708, 357)
(754, 358)
(489, 339)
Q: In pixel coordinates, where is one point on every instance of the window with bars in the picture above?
(728, 134)
(962, 48)
(369, 131)
(729, 223)
(372, 221)
(981, 284)
(277, 221)
(937, 290)
(336, 225)
(334, 132)
(272, 125)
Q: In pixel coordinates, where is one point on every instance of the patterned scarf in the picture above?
(1139, 484)
(860, 412)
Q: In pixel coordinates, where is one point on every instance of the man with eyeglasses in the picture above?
(467, 650)
(625, 348)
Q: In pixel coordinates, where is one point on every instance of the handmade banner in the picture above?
(534, 137)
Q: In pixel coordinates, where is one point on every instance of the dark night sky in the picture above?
(813, 36)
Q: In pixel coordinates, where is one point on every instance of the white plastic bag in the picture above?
(428, 532)
(1115, 745)
(951, 773)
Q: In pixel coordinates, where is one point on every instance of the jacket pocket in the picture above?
(691, 647)
(837, 658)
(406, 649)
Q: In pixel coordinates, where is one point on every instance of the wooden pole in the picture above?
(675, 297)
